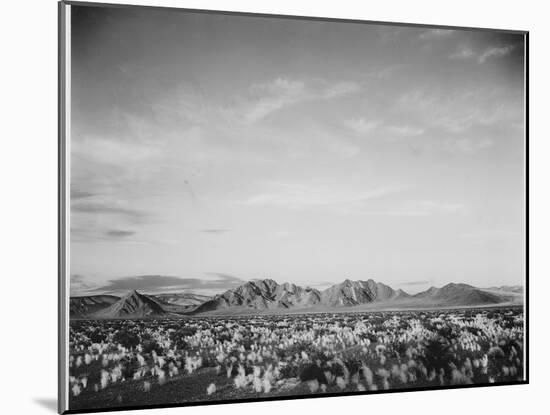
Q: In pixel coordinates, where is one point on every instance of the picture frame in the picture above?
(131, 331)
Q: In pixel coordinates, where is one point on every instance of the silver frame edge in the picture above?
(64, 52)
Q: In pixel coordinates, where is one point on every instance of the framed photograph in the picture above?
(263, 207)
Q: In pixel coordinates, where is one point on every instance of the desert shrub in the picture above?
(474, 330)
(311, 372)
(97, 336)
(353, 365)
(178, 336)
(126, 338)
(447, 332)
(224, 336)
(129, 366)
(290, 371)
(437, 355)
(149, 345)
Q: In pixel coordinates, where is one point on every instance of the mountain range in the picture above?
(88, 305)
(260, 296)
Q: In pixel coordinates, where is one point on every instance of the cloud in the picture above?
(110, 166)
(469, 145)
(93, 234)
(495, 52)
(428, 208)
(361, 125)
(405, 130)
(99, 208)
(224, 277)
(158, 283)
(268, 97)
(79, 285)
(465, 121)
(436, 34)
(80, 194)
(463, 52)
(214, 231)
(273, 96)
(340, 89)
(114, 151)
(97, 221)
(119, 233)
(306, 197)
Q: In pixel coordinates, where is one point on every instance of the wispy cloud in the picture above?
(100, 219)
(436, 34)
(113, 150)
(362, 125)
(470, 145)
(463, 52)
(405, 130)
(214, 231)
(119, 233)
(339, 89)
(273, 96)
(158, 283)
(79, 194)
(495, 52)
(268, 97)
(459, 120)
(428, 208)
(306, 197)
(97, 208)
(79, 285)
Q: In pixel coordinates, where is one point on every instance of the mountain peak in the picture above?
(457, 285)
(263, 294)
(133, 304)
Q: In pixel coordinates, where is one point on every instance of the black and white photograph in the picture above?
(263, 207)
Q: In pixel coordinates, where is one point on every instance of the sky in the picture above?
(209, 149)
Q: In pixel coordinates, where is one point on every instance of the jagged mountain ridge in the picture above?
(268, 295)
(83, 306)
(134, 305)
(263, 294)
(350, 293)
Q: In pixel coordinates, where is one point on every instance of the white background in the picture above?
(28, 185)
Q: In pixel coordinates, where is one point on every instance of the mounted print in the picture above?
(260, 207)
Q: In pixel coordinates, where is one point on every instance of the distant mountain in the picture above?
(292, 295)
(85, 306)
(262, 295)
(518, 289)
(269, 296)
(134, 305)
(457, 295)
(350, 293)
(183, 299)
